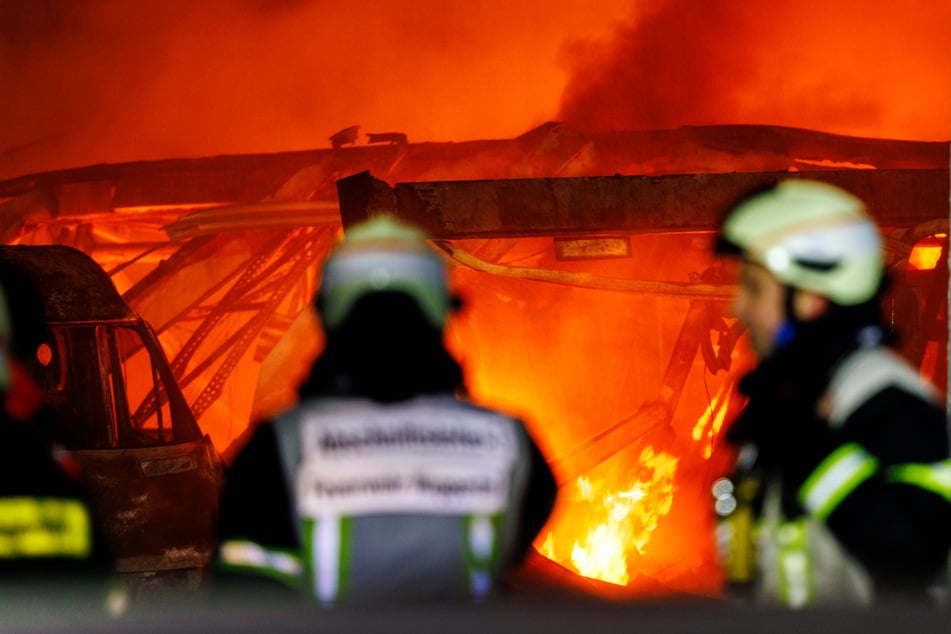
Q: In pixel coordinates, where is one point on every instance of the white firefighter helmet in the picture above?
(383, 254)
(810, 235)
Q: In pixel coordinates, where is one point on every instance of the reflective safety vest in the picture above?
(51, 556)
(44, 527)
(801, 561)
(413, 499)
(850, 465)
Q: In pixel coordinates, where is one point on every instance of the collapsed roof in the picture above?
(617, 360)
(220, 253)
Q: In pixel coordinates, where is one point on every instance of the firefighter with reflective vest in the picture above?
(843, 449)
(53, 558)
(383, 483)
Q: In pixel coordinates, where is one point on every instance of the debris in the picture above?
(345, 136)
(393, 138)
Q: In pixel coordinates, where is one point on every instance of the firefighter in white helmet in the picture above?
(383, 484)
(844, 449)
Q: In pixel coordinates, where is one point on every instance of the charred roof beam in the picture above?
(633, 204)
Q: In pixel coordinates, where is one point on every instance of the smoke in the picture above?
(879, 68)
(111, 80)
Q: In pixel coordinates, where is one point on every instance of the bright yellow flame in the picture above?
(585, 490)
(924, 257)
(548, 548)
(603, 555)
(620, 521)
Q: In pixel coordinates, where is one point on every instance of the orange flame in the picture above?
(614, 524)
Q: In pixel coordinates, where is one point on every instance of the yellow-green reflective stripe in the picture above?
(481, 550)
(837, 476)
(248, 555)
(44, 527)
(935, 477)
(795, 567)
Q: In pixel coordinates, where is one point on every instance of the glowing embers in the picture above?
(827, 163)
(612, 522)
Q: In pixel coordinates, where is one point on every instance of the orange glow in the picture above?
(572, 361)
(199, 79)
(854, 68)
(190, 79)
(278, 76)
(924, 256)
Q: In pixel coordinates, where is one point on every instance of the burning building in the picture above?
(593, 306)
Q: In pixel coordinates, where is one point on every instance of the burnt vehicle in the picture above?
(153, 476)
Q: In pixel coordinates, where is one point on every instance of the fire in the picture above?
(926, 253)
(708, 426)
(614, 524)
(571, 361)
(633, 515)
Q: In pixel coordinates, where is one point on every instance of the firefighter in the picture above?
(843, 449)
(383, 484)
(53, 558)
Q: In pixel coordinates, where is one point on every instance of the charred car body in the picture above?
(153, 476)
